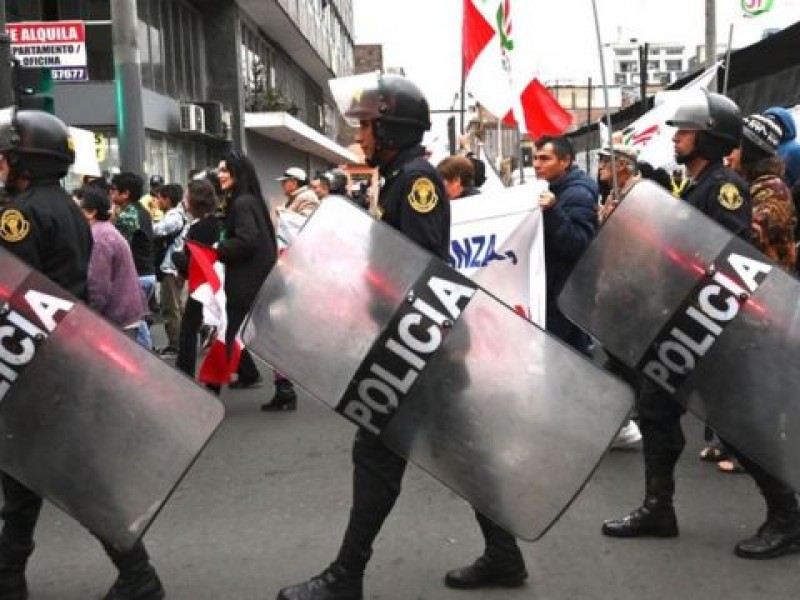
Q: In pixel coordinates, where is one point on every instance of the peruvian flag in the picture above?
(496, 73)
(207, 286)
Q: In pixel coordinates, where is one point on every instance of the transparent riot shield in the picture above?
(704, 315)
(91, 421)
(452, 379)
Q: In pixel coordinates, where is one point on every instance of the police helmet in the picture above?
(395, 105)
(36, 144)
(717, 120)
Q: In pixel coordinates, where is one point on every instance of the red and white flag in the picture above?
(207, 286)
(496, 71)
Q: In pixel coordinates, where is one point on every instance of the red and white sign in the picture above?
(49, 44)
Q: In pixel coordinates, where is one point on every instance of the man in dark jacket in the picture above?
(569, 212)
(458, 174)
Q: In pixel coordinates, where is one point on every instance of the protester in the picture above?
(134, 223)
(789, 148)
(458, 175)
(205, 229)
(248, 249)
(113, 284)
(168, 234)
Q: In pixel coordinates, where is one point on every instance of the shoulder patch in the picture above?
(423, 197)
(729, 197)
(14, 227)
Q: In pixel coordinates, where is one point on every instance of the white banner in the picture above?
(497, 239)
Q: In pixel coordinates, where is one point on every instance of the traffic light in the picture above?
(33, 89)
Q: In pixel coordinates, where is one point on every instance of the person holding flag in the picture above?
(248, 250)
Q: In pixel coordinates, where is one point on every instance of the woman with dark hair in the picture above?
(248, 248)
(201, 204)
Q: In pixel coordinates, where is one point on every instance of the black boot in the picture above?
(486, 572)
(285, 397)
(334, 583)
(13, 559)
(137, 578)
(653, 519)
(779, 535)
(501, 565)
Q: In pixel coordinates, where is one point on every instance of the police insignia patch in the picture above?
(729, 197)
(423, 197)
(14, 227)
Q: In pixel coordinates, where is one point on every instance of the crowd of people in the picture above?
(130, 246)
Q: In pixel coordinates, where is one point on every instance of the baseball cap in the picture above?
(156, 181)
(293, 173)
(621, 151)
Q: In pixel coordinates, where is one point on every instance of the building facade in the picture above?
(216, 74)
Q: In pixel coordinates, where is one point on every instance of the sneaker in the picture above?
(627, 437)
(168, 352)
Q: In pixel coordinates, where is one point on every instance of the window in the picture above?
(628, 66)
(619, 79)
(674, 50)
(623, 51)
(673, 65)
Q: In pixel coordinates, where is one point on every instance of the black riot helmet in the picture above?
(36, 144)
(716, 119)
(395, 105)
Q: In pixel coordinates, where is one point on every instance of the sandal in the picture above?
(712, 453)
(730, 465)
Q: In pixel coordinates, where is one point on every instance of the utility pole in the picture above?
(128, 77)
(6, 93)
(711, 35)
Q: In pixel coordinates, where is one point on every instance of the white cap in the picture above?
(294, 173)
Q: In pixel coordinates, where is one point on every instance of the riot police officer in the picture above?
(391, 114)
(42, 225)
(709, 127)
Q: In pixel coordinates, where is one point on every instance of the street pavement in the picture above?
(266, 504)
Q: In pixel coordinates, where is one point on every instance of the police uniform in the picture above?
(412, 201)
(43, 226)
(723, 196)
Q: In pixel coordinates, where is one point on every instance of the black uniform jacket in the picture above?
(413, 201)
(723, 196)
(45, 228)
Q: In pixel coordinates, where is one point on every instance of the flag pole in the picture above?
(605, 99)
(727, 62)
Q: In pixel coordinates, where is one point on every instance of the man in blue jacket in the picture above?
(569, 212)
(789, 148)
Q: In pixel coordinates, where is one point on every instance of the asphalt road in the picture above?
(266, 504)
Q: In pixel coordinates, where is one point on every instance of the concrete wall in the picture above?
(271, 159)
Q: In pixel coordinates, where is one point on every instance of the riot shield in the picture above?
(703, 314)
(452, 379)
(90, 420)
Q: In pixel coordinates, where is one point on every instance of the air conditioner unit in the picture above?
(193, 118)
(213, 115)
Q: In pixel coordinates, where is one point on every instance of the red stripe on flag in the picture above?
(201, 266)
(543, 114)
(476, 34)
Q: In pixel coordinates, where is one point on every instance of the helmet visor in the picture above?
(357, 97)
(7, 132)
(692, 111)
